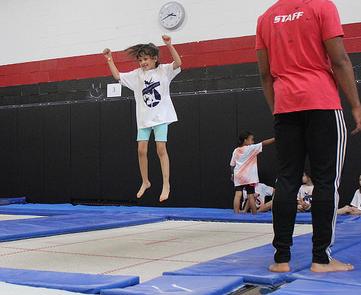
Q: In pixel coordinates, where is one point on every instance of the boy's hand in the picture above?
(107, 54)
(167, 40)
(304, 205)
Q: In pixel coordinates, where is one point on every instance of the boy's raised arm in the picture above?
(108, 55)
(176, 58)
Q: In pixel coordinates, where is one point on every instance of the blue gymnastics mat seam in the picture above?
(249, 265)
(11, 230)
(252, 264)
(182, 285)
(195, 214)
(73, 282)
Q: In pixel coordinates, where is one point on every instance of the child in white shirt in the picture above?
(263, 197)
(355, 208)
(304, 196)
(154, 107)
(245, 171)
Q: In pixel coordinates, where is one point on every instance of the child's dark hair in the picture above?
(307, 173)
(139, 50)
(243, 135)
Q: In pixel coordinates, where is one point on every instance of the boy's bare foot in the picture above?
(143, 188)
(334, 265)
(165, 193)
(279, 267)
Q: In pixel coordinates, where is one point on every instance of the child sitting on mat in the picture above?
(263, 197)
(355, 207)
(304, 196)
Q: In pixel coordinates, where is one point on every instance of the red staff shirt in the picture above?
(292, 32)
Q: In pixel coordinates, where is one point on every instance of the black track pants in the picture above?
(320, 134)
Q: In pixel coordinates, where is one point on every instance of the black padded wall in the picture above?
(217, 135)
(84, 149)
(352, 168)
(117, 150)
(184, 153)
(57, 169)
(30, 152)
(9, 172)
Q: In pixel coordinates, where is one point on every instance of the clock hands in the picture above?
(170, 14)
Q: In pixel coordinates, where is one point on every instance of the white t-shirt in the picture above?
(261, 191)
(245, 161)
(151, 91)
(356, 201)
(305, 193)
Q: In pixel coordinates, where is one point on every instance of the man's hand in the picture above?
(356, 113)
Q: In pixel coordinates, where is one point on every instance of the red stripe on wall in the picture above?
(194, 55)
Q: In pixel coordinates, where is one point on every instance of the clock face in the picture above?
(171, 15)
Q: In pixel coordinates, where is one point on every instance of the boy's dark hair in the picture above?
(243, 135)
(139, 50)
(307, 173)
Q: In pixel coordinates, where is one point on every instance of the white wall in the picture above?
(42, 29)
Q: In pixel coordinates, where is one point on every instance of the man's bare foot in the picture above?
(334, 265)
(143, 188)
(279, 267)
(165, 193)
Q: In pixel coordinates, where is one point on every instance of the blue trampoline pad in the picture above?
(196, 214)
(73, 282)
(229, 216)
(12, 289)
(55, 209)
(8, 201)
(55, 225)
(181, 285)
(303, 287)
(349, 255)
(252, 265)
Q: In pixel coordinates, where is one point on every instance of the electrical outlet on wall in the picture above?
(114, 90)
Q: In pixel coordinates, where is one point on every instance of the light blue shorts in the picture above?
(160, 133)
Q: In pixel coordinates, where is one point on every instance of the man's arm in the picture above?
(266, 77)
(342, 68)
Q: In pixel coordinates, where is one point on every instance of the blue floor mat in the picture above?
(8, 201)
(55, 225)
(182, 285)
(196, 214)
(350, 255)
(303, 287)
(252, 264)
(229, 216)
(73, 282)
(53, 209)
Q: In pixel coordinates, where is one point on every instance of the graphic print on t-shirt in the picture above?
(307, 198)
(151, 96)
